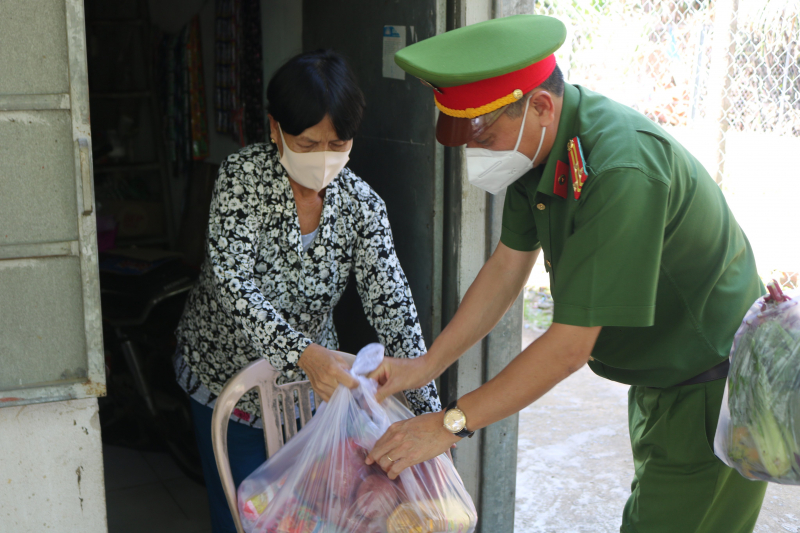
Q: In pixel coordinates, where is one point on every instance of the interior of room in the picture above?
(164, 115)
(175, 87)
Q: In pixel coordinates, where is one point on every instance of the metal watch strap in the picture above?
(464, 433)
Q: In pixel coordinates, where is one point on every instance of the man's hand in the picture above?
(326, 369)
(411, 442)
(397, 375)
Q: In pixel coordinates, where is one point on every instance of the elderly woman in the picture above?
(288, 223)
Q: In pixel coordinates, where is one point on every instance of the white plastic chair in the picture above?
(275, 399)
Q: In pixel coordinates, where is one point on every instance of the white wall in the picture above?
(51, 468)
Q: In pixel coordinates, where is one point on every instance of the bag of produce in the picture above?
(319, 483)
(759, 424)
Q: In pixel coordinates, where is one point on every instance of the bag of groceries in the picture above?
(759, 424)
(318, 482)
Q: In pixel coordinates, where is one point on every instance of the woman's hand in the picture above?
(326, 369)
(410, 442)
(396, 375)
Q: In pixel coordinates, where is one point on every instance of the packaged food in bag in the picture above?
(319, 481)
(431, 516)
(758, 432)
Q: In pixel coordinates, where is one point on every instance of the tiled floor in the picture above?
(147, 493)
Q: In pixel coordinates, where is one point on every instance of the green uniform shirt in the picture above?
(650, 251)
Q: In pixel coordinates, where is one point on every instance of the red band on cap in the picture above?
(483, 92)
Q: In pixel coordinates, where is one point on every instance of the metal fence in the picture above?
(723, 76)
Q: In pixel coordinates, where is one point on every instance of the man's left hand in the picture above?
(410, 442)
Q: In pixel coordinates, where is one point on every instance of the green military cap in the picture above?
(476, 70)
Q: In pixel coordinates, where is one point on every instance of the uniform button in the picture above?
(549, 264)
(540, 207)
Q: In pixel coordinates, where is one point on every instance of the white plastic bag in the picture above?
(319, 483)
(758, 432)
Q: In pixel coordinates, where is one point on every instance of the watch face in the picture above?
(454, 420)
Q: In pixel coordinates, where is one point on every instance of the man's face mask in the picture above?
(313, 170)
(494, 170)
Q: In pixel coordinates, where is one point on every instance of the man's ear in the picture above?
(543, 106)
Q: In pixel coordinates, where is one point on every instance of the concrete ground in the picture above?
(574, 462)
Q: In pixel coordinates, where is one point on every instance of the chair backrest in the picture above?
(276, 400)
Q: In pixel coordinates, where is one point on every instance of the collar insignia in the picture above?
(560, 182)
(577, 166)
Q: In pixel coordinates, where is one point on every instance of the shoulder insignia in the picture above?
(577, 165)
(560, 181)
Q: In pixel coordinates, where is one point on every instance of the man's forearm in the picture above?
(489, 297)
(548, 360)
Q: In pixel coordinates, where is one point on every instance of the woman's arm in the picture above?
(386, 297)
(233, 241)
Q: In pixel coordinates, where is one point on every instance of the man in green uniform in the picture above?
(650, 273)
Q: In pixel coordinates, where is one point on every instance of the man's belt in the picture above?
(718, 372)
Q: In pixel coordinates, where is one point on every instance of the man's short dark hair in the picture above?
(312, 85)
(554, 84)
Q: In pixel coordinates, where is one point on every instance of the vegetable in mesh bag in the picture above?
(758, 432)
(319, 481)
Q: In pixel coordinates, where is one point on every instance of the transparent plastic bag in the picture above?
(758, 432)
(318, 482)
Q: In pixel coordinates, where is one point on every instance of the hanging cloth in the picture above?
(175, 100)
(252, 81)
(239, 71)
(227, 104)
(196, 93)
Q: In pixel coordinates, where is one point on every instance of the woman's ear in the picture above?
(543, 106)
(275, 134)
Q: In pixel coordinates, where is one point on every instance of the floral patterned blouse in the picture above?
(261, 295)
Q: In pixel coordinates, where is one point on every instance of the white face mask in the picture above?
(313, 170)
(494, 170)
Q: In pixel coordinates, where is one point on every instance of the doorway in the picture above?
(161, 126)
(155, 91)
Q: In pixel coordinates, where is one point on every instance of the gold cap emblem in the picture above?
(432, 86)
(517, 93)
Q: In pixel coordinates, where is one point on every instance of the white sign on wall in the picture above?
(394, 38)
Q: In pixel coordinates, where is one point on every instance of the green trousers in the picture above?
(679, 485)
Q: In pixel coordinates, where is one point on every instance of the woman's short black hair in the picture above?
(312, 85)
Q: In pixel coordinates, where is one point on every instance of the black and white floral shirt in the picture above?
(261, 295)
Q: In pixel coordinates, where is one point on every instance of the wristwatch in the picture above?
(455, 421)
